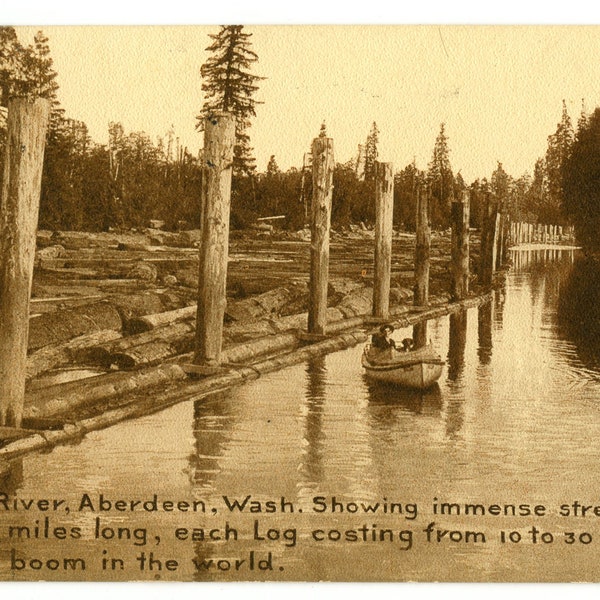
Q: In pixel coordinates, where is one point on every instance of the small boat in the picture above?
(416, 369)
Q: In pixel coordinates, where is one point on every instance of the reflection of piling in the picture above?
(219, 139)
(384, 210)
(316, 373)
(488, 241)
(423, 242)
(457, 343)
(460, 248)
(19, 207)
(322, 156)
(484, 332)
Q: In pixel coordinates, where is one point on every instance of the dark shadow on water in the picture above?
(484, 332)
(316, 380)
(419, 402)
(579, 310)
(457, 344)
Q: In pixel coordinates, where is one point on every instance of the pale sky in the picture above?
(499, 90)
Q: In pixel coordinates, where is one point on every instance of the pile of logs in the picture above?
(149, 328)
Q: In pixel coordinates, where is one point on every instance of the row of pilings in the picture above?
(528, 233)
(19, 206)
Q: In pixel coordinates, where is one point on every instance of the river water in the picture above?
(512, 427)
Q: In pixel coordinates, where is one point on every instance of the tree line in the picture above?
(134, 179)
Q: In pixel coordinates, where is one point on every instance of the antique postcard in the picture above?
(299, 303)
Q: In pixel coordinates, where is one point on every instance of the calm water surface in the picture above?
(515, 420)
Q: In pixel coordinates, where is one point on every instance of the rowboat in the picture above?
(417, 369)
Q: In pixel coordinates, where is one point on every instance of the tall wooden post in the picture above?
(460, 248)
(422, 245)
(384, 210)
(219, 139)
(496, 242)
(488, 241)
(322, 166)
(19, 209)
(500, 240)
(422, 249)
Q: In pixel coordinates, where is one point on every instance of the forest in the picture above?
(134, 179)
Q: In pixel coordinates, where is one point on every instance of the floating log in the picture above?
(267, 304)
(19, 206)
(102, 354)
(62, 325)
(152, 352)
(149, 322)
(51, 357)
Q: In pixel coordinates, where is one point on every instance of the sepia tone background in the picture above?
(498, 89)
(480, 82)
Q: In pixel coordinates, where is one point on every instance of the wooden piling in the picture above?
(19, 208)
(457, 343)
(219, 139)
(422, 245)
(322, 171)
(496, 247)
(384, 210)
(460, 248)
(500, 245)
(488, 241)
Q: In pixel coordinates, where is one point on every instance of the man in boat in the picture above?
(382, 340)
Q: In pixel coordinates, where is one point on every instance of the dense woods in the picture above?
(135, 179)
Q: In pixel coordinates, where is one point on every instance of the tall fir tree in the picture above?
(228, 85)
(371, 152)
(9, 55)
(441, 180)
(584, 118)
(323, 131)
(560, 144)
(581, 177)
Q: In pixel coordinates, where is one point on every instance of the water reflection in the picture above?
(456, 345)
(391, 398)
(212, 423)
(484, 333)
(579, 309)
(316, 377)
(501, 426)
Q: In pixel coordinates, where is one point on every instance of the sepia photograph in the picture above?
(300, 303)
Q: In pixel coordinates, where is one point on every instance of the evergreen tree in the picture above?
(9, 54)
(26, 71)
(584, 118)
(371, 153)
(272, 167)
(441, 181)
(500, 187)
(581, 184)
(228, 85)
(559, 149)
